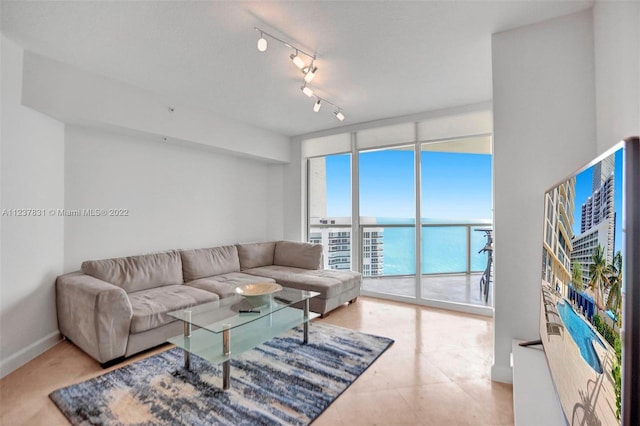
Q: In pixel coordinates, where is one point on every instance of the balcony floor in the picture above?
(457, 288)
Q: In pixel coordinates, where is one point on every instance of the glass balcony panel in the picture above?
(395, 259)
(444, 249)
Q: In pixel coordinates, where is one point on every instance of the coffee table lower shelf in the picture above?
(212, 346)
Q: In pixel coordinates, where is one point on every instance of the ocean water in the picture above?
(444, 249)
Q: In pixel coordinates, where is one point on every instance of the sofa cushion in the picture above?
(205, 262)
(225, 285)
(137, 273)
(329, 283)
(254, 255)
(348, 279)
(297, 254)
(221, 289)
(150, 307)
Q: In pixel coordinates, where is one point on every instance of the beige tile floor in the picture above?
(436, 373)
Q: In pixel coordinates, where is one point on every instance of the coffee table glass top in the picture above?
(225, 313)
(217, 331)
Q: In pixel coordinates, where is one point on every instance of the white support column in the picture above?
(356, 248)
(418, 186)
(305, 204)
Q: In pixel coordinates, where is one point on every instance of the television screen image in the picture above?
(582, 298)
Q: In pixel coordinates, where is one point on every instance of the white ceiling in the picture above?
(376, 59)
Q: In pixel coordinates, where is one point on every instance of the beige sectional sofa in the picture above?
(114, 308)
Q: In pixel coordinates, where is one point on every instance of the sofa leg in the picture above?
(353, 300)
(112, 362)
(323, 316)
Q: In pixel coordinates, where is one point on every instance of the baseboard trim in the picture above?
(23, 356)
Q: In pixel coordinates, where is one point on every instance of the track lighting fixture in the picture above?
(297, 60)
(295, 57)
(306, 90)
(262, 43)
(318, 104)
(309, 71)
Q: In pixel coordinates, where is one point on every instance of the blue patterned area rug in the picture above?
(281, 382)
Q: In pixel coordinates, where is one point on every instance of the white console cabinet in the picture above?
(535, 402)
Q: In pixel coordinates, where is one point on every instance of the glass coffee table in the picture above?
(217, 331)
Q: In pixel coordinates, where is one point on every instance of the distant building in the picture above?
(597, 219)
(336, 242)
(558, 233)
(583, 246)
(602, 171)
(373, 252)
(599, 208)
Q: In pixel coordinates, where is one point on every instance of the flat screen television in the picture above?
(590, 289)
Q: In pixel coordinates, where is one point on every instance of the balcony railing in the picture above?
(447, 248)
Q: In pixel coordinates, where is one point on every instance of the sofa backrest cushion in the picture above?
(201, 263)
(137, 273)
(297, 254)
(255, 255)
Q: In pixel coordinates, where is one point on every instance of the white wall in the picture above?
(617, 59)
(544, 128)
(32, 156)
(275, 212)
(294, 195)
(73, 95)
(214, 182)
(176, 197)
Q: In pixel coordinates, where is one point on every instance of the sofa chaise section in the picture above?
(335, 287)
(297, 265)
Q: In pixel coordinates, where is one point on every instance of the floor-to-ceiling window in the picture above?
(387, 219)
(397, 176)
(329, 208)
(456, 207)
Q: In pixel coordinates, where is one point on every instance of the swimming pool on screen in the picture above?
(582, 334)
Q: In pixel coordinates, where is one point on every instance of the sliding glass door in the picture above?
(456, 219)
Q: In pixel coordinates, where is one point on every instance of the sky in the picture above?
(454, 185)
(584, 183)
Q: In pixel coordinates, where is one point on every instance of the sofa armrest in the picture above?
(95, 315)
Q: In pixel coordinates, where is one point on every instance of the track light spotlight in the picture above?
(339, 115)
(317, 106)
(310, 73)
(262, 43)
(297, 60)
(307, 91)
